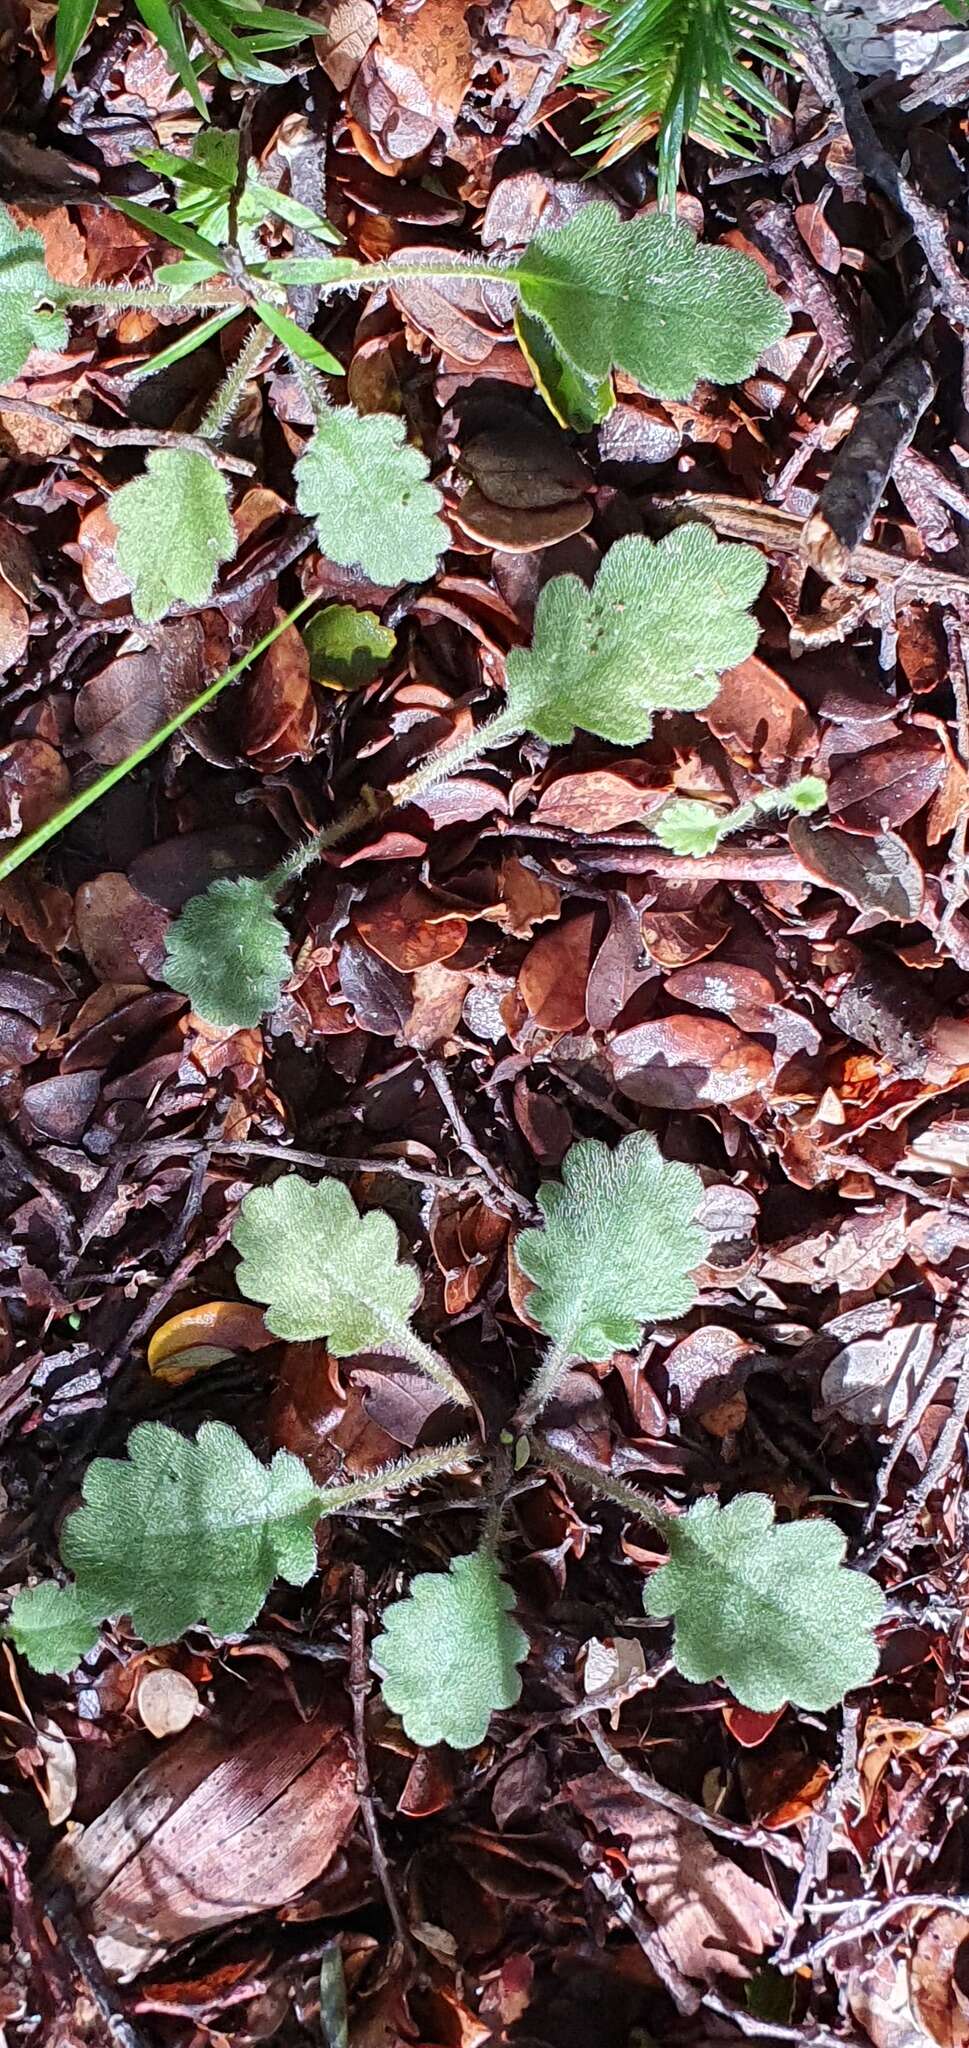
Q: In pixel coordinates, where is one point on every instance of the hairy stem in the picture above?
(336, 1500)
(117, 298)
(407, 1344)
(439, 766)
(622, 1495)
(552, 1369)
(229, 394)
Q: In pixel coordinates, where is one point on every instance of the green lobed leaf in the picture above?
(322, 1269)
(619, 1246)
(347, 647)
(228, 953)
(24, 282)
(449, 1653)
(174, 530)
(646, 297)
(771, 1610)
(52, 1626)
(179, 1532)
(367, 490)
(661, 622)
(688, 827)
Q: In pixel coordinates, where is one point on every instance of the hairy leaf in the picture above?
(806, 795)
(24, 283)
(690, 828)
(52, 1626)
(367, 490)
(770, 1609)
(322, 1269)
(646, 297)
(619, 1246)
(449, 1653)
(174, 530)
(661, 622)
(180, 1533)
(228, 954)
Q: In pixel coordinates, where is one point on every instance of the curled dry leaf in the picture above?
(714, 1919)
(217, 1828)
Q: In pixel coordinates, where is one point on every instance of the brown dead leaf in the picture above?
(34, 782)
(682, 1062)
(166, 1701)
(940, 1978)
(553, 975)
(424, 56)
(412, 928)
(216, 1828)
(280, 716)
(14, 628)
(715, 1920)
(127, 701)
(757, 714)
(600, 799)
(198, 1338)
(886, 785)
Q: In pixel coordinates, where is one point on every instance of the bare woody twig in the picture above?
(125, 437)
(860, 471)
(359, 1691)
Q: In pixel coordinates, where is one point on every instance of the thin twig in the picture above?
(649, 1788)
(126, 437)
(360, 1684)
(871, 1923)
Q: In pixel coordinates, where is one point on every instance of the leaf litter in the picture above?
(512, 964)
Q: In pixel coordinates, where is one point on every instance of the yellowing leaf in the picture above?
(201, 1337)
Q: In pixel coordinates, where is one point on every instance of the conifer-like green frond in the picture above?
(683, 67)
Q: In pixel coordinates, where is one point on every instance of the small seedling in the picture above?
(660, 623)
(691, 828)
(183, 1533)
(597, 295)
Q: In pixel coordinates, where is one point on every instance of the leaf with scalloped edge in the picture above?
(177, 1534)
(619, 1246)
(228, 953)
(367, 490)
(52, 1626)
(449, 1654)
(662, 621)
(322, 1269)
(25, 282)
(690, 828)
(646, 297)
(769, 1608)
(174, 530)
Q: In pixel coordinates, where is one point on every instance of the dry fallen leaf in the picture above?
(714, 1919)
